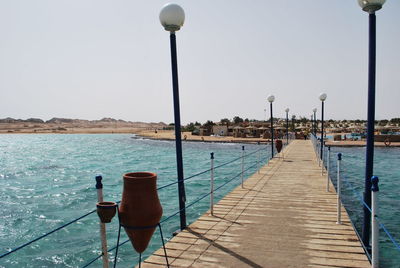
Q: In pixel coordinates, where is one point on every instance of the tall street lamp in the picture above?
(172, 18)
(322, 98)
(370, 6)
(271, 99)
(287, 125)
(315, 121)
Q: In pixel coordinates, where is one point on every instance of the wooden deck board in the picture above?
(282, 218)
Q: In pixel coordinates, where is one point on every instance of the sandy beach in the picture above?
(146, 130)
(170, 135)
(359, 144)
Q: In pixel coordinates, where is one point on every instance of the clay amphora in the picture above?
(106, 211)
(278, 145)
(140, 209)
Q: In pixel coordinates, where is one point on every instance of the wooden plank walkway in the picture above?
(282, 218)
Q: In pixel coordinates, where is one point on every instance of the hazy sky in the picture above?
(90, 59)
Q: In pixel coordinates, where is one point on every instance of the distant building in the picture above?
(204, 131)
(221, 130)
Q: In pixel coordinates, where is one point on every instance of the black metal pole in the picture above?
(312, 125)
(287, 128)
(294, 127)
(370, 128)
(272, 133)
(315, 123)
(178, 139)
(322, 129)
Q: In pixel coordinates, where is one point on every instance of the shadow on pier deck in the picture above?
(282, 218)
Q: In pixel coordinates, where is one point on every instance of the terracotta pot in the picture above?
(278, 145)
(106, 211)
(140, 208)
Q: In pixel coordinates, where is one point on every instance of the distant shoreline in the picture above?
(169, 135)
(75, 126)
(149, 132)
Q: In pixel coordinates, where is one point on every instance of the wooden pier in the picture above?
(283, 217)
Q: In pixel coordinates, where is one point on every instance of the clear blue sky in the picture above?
(96, 58)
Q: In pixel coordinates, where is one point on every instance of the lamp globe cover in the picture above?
(172, 17)
(271, 98)
(314, 110)
(371, 5)
(322, 96)
(287, 110)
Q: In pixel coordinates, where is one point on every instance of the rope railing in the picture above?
(361, 199)
(358, 195)
(373, 255)
(159, 188)
(46, 234)
(177, 212)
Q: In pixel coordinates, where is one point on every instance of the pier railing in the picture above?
(260, 156)
(332, 166)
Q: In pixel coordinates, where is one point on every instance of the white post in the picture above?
(242, 164)
(319, 155)
(339, 209)
(99, 187)
(375, 224)
(328, 167)
(212, 185)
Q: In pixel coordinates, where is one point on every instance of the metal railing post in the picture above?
(212, 185)
(339, 209)
(319, 153)
(259, 161)
(323, 165)
(103, 235)
(242, 164)
(375, 224)
(328, 155)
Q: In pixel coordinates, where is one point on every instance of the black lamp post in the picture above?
(271, 99)
(315, 122)
(370, 6)
(172, 18)
(322, 98)
(287, 126)
(312, 124)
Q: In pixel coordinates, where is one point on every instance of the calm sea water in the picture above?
(387, 168)
(48, 180)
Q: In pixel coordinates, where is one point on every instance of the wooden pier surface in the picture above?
(282, 218)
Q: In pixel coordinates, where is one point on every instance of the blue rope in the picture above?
(208, 170)
(230, 162)
(254, 151)
(204, 196)
(357, 194)
(378, 219)
(46, 234)
(98, 257)
(162, 187)
(233, 178)
(165, 186)
(198, 174)
(389, 235)
(119, 235)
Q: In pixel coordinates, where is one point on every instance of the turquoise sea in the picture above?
(387, 168)
(48, 180)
